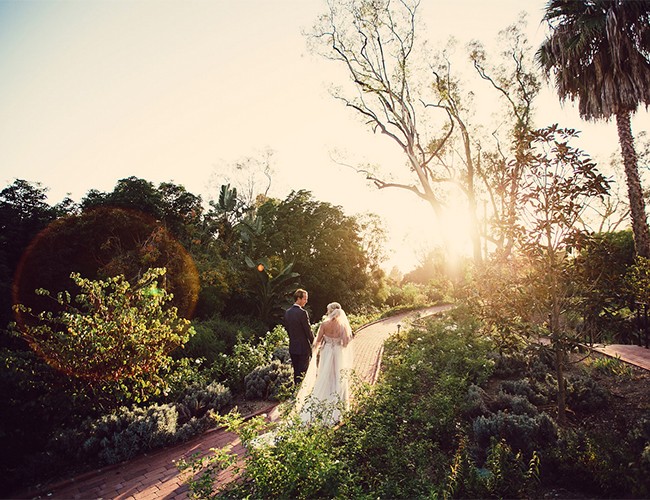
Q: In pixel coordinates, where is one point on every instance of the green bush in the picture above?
(475, 402)
(397, 440)
(118, 436)
(300, 462)
(247, 355)
(282, 354)
(198, 399)
(612, 366)
(522, 387)
(270, 381)
(584, 394)
(509, 474)
(129, 432)
(508, 364)
(521, 432)
(596, 466)
(518, 405)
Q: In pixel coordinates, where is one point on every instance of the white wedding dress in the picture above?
(325, 390)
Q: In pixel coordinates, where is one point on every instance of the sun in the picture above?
(456, 227)
(416, 230)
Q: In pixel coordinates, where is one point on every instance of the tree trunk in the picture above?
(561, 393)
(637, 205)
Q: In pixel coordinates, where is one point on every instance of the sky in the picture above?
(93, 91)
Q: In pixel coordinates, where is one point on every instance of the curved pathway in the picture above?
(155, 475)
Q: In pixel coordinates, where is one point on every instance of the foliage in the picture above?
(638, 280)
(601, 272)
(522, 432)
(129, 432)
(299, 464)
(216, 337)
(270, 381)
(612, 366)
(501, 295)
(119, 338)
(24, 212)
(585, 395)
(392, 443)
(100, 244)
(323, 243)
(198, 399)
(558, 184)
(248, 355)
(272, 282)
(599, 55)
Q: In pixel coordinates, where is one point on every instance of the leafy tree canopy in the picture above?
(323, 243)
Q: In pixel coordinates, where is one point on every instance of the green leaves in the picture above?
(116, 334)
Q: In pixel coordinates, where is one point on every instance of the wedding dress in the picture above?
(325, 393)
(325, 389)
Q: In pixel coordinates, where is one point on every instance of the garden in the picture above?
(139, 318)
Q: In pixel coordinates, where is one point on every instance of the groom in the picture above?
(296, 321)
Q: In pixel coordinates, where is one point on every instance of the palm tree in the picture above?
(599, 53)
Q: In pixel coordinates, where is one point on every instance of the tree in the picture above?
(272, 283)
(420, 104)
(119, 335)
(501, 166)
(132, 193)
(376, 42)
(559, 183)
(24, 212)
(322, 243)
(600, 268)
(599, 52)
(102, 243)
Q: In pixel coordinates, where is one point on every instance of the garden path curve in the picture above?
(155, 475)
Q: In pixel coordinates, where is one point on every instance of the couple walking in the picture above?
(324, 386)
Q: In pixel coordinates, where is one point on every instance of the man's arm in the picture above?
(307, 329)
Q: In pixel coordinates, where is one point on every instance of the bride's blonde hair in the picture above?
(338, 316)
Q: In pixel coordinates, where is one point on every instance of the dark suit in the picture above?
(296, 321)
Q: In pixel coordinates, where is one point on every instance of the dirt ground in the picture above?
(629, 398)
(248, 407)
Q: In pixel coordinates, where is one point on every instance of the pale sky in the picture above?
(93, 91)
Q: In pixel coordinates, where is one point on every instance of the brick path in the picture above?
(155, 476)
(633, 354)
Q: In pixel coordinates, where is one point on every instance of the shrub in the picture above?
(396, 441)
(282, 354)
(215, 336)
(521, 432)
(584, 394)
(593, 465)
(118, 436)
(475, 402)
(510, 476)
(247, 356)
(518, 405)
(129, 432)
(198, 399)
(300, 463)
(507, 365)
(270, 381)
(612, 366)
(522, 387)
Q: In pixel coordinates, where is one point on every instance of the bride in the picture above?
(325, 388)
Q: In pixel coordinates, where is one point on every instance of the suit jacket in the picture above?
(296, 321)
